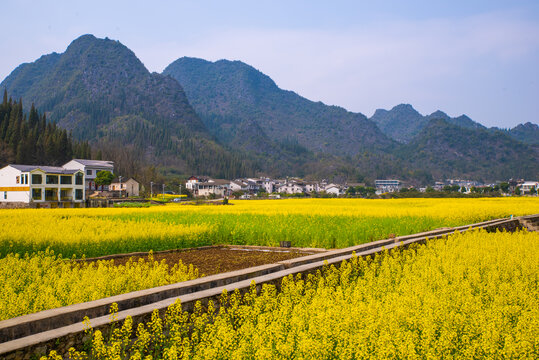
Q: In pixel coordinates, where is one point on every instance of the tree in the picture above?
(517, 191)
(505, 187)
(104, 178)
(533, 191)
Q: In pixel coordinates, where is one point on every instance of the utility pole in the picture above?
(119, 177)
(163, 192)
(180, 193)
(151, 190)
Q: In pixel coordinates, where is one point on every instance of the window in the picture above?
(52, 179)
(18, 179)
(78, 194)
(65, 179)
(78, 179)
(36, 194)
(51, 195)
(88, 172)
(5, 195)
(37, 179)
(25, 177)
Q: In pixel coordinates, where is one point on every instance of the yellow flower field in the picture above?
(470, 296)
(43, 281)
(327, 223)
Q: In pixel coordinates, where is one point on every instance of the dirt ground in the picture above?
(218, 260)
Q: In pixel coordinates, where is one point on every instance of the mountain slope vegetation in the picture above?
(227, 119)
(228, 94)
(402, 123)
(450, 151)
(100, 91)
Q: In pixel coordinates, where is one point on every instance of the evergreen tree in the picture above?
(31, 140)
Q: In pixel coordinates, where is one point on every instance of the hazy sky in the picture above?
(479, 58)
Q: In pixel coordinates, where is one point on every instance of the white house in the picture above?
(334, 189)
(217, 187)
(268, 185)
(130, 187)
(312, 187)
(51, 185)
(90, 169)
(383, 186)
(238, 185)
(526, 186)
(291, 187)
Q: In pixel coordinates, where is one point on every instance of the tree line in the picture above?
(30, 139)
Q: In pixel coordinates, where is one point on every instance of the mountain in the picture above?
(527, 133)
(229, 94)
(402, 123)
(227, 119)
(100, 91)
(451, 151)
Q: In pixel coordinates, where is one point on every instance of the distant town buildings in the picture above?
(204, 186)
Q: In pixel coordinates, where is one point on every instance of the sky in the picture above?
(478, 58)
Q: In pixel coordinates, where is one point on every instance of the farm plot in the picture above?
(320, 223)
(471, 295)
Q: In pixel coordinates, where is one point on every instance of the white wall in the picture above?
(8, 176)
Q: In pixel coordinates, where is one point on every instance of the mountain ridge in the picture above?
(225, 93)
(100, 91)
(228, 119)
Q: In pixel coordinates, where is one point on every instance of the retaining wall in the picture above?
(61, 328)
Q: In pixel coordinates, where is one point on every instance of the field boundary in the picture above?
(206, 247)
(62, 328)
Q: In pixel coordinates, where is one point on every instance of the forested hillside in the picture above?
(402, 123)
(231, 121)
(450, 151)
(101, 92)
(230, 94)
(30, 139)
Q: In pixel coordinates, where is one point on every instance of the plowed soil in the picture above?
(219, 260)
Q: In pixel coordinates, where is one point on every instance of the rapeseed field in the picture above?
(471, 295)
(325, 223)
(42, 281)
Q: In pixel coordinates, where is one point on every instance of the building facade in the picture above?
(130, 187)
(54, 186)
(90, 169)
(385, 186)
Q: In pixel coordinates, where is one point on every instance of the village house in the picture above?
(268, 185)
(90, 169)
(253, 185)
(387, 186)
(211, 187)
(193, 180)
(128, 188)
(527, 186)
(291, 187)
(334, 189)
(238, 185)
(44, 185)
(312, 187)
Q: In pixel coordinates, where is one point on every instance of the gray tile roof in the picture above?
(47, 169)
(102, 163)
